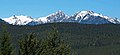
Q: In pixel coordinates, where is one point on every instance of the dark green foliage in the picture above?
(86, 39)
(29, 45)
(6, 47)
(53, 45)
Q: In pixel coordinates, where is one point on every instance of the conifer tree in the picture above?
(6, 47)
(29, 45)
(53, 45)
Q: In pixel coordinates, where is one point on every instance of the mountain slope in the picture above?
(83, 17)
(2, 22)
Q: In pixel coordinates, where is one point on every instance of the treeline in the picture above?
(31, 45)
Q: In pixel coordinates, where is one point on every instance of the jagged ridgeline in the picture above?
(84, 39)
(82, 17)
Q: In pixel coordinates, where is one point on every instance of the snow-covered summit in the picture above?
(91, 17)
(18, 20)
(83, 13)
(58, 16)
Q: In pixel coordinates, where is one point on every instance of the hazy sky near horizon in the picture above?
(40, 8)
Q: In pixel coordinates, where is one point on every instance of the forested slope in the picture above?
(85, 39)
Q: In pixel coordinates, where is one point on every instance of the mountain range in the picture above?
(82, 17)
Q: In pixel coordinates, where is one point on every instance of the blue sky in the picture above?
(40, 8)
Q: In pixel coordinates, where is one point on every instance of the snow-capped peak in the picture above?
(18, 20)
(59, 12)
(83, 13)
(90, 17)
(58, 16)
